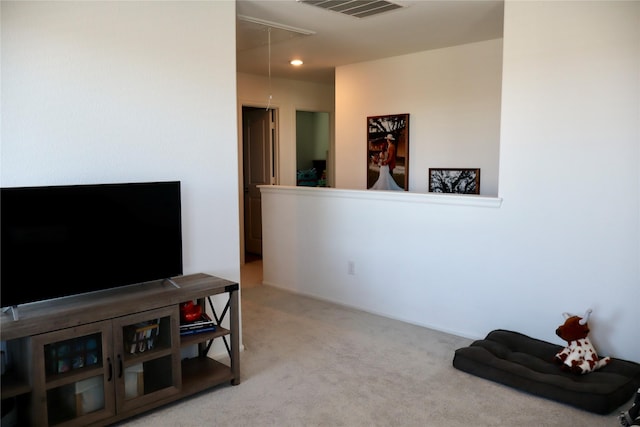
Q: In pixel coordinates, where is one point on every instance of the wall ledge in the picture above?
(395, 196)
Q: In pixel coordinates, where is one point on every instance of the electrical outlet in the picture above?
(351, 268)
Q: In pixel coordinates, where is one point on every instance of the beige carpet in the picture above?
(312, 363)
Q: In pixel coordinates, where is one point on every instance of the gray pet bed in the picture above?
(525, 363)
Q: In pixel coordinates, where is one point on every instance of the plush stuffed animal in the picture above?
(579, 356)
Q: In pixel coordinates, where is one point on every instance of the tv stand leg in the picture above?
(171, 281)
(14, 311)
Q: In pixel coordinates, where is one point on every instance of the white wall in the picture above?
(564, 235)
(570, 162)
(452, 97)
(96, 92)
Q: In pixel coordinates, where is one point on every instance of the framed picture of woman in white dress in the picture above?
(388, 152)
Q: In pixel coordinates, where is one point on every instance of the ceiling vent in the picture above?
(357, 8)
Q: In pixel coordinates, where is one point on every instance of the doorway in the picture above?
(258, 158)
(312, 147)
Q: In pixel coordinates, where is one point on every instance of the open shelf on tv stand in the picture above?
(130, 377)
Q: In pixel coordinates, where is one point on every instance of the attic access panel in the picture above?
(356, 8)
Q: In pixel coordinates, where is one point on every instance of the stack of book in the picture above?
(203, 324)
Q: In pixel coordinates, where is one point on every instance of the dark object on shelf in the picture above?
(202, 320)
(189, 312)
(75, 353)
(184, 332)
(202, 324)
(141, 336)
(525, 363)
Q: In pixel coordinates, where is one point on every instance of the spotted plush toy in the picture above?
(579, 356)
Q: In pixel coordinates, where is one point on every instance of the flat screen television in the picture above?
(64, 240)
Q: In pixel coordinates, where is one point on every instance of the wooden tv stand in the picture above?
(98, 358)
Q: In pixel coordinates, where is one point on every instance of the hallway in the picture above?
(251, 272)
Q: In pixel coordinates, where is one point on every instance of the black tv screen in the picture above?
(63, 240)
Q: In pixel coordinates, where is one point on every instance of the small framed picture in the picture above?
(459, 181)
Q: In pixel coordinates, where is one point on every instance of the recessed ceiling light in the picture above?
(296, 62)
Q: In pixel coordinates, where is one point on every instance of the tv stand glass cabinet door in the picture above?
(95, 371)
(61, 380)
(147, 352)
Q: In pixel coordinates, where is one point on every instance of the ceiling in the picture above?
(270, 33)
